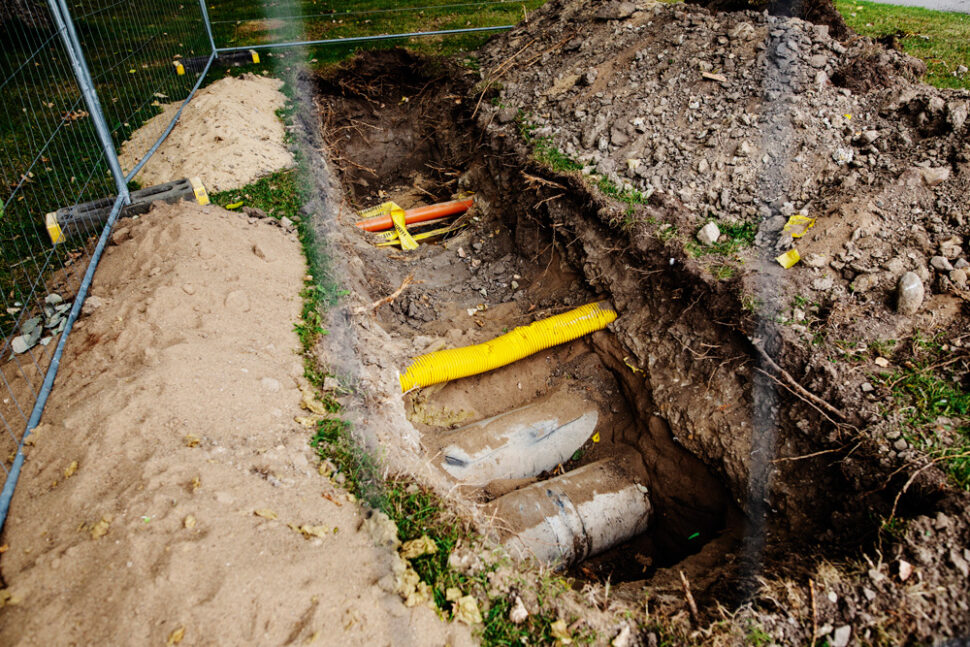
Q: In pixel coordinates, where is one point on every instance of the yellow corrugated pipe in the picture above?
(445, 365)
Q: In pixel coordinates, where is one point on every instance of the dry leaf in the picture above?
(100, 529)
(466, 610)
(307, 421)
(265, 513)
(423, 545)
(175, 637)
(311, 403)
(560, 632)
(189, 522)
(70, 470)
(309, 532)
(191, 440)
(7, 598)
(4, 548)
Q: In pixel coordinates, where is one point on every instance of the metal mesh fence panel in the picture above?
(238, 24)
(78, 77)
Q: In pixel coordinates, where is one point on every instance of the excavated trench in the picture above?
(396, 131)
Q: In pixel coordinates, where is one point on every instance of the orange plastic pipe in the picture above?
(420, 214)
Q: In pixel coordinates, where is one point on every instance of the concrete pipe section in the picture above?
(520, 443)
(574, 516)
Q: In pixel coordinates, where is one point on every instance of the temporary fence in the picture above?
(78, 78)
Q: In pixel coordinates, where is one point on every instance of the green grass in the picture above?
(925, 389)
(244, 22)
(738, 236)
(941, 39)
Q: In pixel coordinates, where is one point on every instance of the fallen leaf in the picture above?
(4, 548)
(100, 529)
(423, 545)
(265, 513)
(560, 632)
(311, 403)
(307, 421)
(309, 532)
(191, 440)
(466, 610)
(70, 470)
(175, 637)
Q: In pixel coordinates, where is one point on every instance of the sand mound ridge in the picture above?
(228, 135)
(169, 493)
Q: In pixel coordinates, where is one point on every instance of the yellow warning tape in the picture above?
(451, 364)
(392, 239)
(399, 218)
(54, 229)
(201, 195)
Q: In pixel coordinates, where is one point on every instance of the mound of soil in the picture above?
(228, 135)
(169, 496)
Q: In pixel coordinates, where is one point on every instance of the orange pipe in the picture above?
(420, 214)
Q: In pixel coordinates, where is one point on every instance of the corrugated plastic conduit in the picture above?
(451, 364)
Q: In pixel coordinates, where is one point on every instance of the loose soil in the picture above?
(168, 492)
(770, 464)
(227, 144)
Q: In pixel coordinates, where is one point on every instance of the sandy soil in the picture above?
(226, 143)
(160, 494)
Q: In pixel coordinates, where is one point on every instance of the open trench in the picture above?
(659, 401)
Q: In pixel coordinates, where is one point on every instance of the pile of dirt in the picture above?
(770, 453)
(228, 135)
(169, 496)
(774, 378)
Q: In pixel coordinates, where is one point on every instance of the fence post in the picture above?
(208, 27)
(65, 25)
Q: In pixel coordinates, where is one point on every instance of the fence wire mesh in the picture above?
(250, 23)
(77, 77)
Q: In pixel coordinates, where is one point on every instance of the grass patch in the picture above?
(738, 236)
(932, 398)
(941, 39)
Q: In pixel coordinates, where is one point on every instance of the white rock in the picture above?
(841, 636)
(708, 234)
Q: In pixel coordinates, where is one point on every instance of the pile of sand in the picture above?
(228, 135)
(169, 493)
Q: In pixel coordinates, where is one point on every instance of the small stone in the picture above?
(744, 149)
(823, 284)
(815, 260)
(840, 638)
(866, 387)
(941, 264)
(286, 222)
(515, 285)
(865, 282)
(53, 299)
(188, 288)
(959, 278)
(616, 11)
(935, 175)
(270, 384)
(900, 444)
(909, 295)
(905, 570)
(506, 115)
(189, 522)
(91, 304)
(254, 212)
(882, 362)
(961, 264)
(237, 300)
(708, 234)
(518, 613)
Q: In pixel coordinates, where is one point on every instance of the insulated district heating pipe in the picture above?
(419, 214)
(451, 364)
